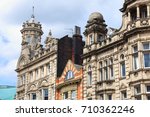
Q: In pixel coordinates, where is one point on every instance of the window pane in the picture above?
(136, 64)
(148, 88)
(45, 94)
(65, 95)
(106, 74)
(91, 39)
(146, 46)
(109, 97)
(135, 49)
(73, 95)
(123, 69)
(33, 96)
(137, 89)
(124, 95)
(101, 75)
(111, 72)
(147, 59)
(148, 97)
(90, 78)
(69, 75)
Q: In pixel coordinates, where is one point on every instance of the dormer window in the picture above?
(69, 75)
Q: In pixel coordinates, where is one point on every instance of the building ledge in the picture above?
(68, 82)
(106, 81)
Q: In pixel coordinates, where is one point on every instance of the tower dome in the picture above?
(96, 16)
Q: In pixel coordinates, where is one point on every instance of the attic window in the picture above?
(69, 75)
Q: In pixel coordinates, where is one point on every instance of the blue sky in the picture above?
(55, 15)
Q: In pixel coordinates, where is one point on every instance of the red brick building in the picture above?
(69, 84)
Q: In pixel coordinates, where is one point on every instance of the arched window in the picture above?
(89, 76)
(69, 75)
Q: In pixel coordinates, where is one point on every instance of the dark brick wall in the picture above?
(69, 48)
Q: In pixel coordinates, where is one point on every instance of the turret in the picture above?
(95, 29)
(31, 33)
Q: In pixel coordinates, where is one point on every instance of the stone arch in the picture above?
(43, 83)
(32, 87)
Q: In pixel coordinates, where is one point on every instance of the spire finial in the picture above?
(32, 12)
(50, 33)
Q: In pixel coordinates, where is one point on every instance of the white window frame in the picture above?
(73, 95)
(44, 96)
(91, 39)
(146, 51)
(135, 58)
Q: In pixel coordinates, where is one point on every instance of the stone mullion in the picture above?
(148, 10)
(138, 12)
(129, 16)
(143, 91)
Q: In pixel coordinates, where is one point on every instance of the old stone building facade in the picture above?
(113, 64)
(116, 63)
(38, 67)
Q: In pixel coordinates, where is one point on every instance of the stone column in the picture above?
(129, 16)
(138, 12)
(148, 10)
(142, 91)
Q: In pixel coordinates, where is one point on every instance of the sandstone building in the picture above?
(116, 62)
